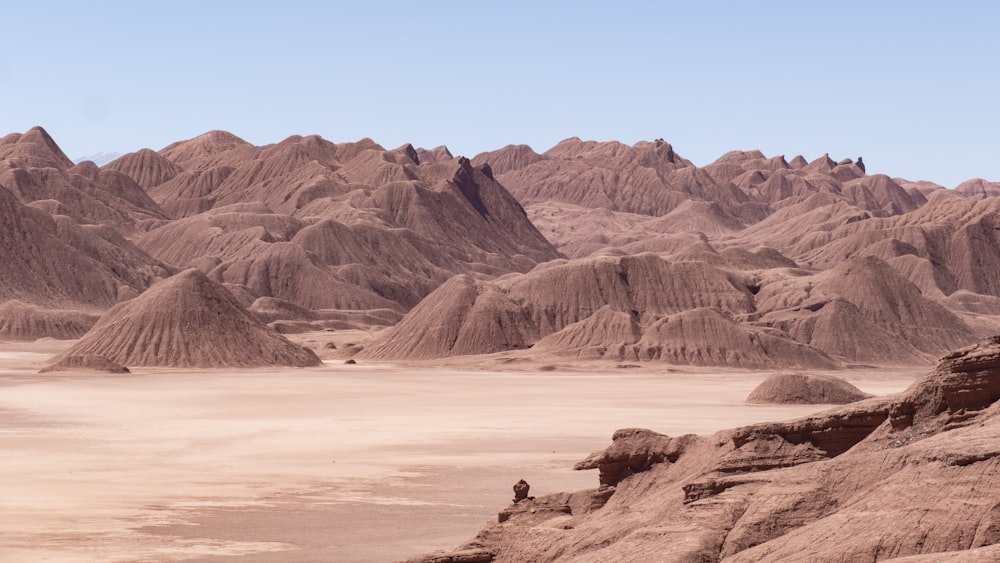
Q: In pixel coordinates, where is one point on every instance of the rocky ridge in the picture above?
(816, 263)
(906, 477)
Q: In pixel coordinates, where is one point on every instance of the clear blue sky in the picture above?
(914, 86)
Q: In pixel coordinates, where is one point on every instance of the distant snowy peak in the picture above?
(99, 159)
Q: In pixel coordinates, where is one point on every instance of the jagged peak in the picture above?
(440, 153)
(407, 150)
(34, 148)
(824, 160)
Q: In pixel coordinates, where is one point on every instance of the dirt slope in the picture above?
(188, 321)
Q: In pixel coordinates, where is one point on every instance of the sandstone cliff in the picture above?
(914, 477)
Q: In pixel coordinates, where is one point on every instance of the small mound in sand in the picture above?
(188, 321)
(805, 389)
(85, 362)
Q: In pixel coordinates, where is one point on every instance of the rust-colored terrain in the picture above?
(589, 250)
(216, 253)
(884, 479)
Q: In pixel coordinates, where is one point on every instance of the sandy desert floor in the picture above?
(338, 463)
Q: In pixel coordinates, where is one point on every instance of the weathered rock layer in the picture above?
(913, 477)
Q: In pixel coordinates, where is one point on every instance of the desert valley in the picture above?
(319, 351)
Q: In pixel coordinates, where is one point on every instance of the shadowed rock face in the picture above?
(634, 450)
(911, 476)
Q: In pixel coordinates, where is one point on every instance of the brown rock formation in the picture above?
(521, 489)
(862, 311)
(635, 307)
(909, 477)
(33, 149)
(146, 167)
(347, 225)
(188, 321)
(977, 188)
(56, 262)
(750, 261)
(806, 389)
(20, 321)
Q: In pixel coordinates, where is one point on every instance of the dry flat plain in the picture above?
(340, 462)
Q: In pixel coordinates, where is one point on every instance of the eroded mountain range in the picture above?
(588, 250)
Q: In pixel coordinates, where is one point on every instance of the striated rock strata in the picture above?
(909, 477)
(187, 321)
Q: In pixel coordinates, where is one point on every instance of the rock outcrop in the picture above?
(908, 477)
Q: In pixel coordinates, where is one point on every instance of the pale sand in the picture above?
(339, 463)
